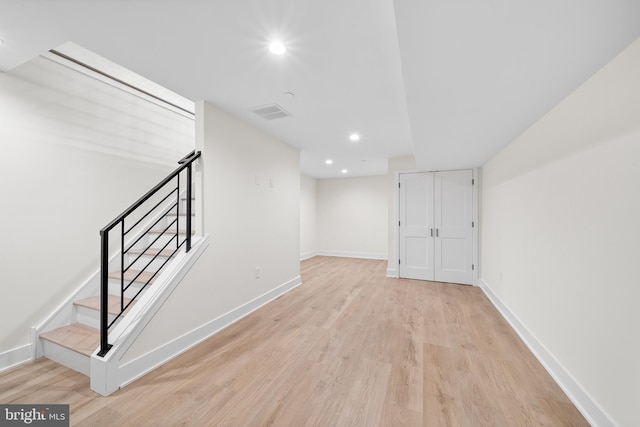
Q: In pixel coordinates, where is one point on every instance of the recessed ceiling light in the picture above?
(329, 161)
(277, 48)
(344, 171)
(354, 137)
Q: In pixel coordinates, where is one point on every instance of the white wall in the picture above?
(251, 224)
(308, 216)
(76, 152)
(561, 237)
(352, 216)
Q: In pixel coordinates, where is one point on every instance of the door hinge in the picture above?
(473, 182)
(473, 224)
(398, 223)
(473, 266)
(398, 185)
(398, 262)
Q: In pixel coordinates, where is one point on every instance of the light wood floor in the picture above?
(348, 347)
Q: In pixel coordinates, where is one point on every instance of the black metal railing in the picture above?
(169, 193)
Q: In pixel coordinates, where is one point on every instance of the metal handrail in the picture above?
(190, 158)
(186, 163)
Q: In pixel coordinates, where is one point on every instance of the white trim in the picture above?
(595, 415)
(135, 369)
(15, 357)
(104, 370)
(308, 255)
(396, 218)
(364, 255)
(475, 206)
(474, 217)
(392, 272)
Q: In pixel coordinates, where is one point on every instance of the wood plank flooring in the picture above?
(349, 347)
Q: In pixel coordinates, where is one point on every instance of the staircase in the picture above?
(144, 255)
(73, 344)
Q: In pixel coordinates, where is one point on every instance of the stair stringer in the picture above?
(105, 372)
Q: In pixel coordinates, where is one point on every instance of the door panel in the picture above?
(453, 217)
(416, 223)
(417, 256)
(450, 259)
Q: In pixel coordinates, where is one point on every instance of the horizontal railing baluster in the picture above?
(146, 233)
(186, 163)
(150, 210)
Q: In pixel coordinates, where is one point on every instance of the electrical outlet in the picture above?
(258, 272)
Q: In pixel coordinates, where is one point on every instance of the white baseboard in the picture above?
(392, 272)
(364, 255)
(15, 357)
(137, 368)
(308, 255)
(589, 408)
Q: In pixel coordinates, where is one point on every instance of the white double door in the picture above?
(436, 226)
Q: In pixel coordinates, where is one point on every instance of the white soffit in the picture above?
(478, 74)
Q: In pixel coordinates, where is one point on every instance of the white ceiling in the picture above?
(450, 82)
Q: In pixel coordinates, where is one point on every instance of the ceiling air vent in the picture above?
(271, 112)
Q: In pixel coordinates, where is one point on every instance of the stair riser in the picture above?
(148, 240)
(182, 222)
(167, 208)
(91, 317)
(114, 288)
(169, 220)
(141, 263)
(182, 209)
(183, 206)
(69, 358)
(162, 225)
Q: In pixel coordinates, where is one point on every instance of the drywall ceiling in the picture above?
(450, 82)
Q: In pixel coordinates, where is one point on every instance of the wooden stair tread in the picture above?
(180, 214)
(78, 337)
(130, 274)
(153, 252)
(94, 303)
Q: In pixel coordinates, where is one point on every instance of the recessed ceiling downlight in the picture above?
(277, 48)
(344, 171)
(354, 137)
(329, 161)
